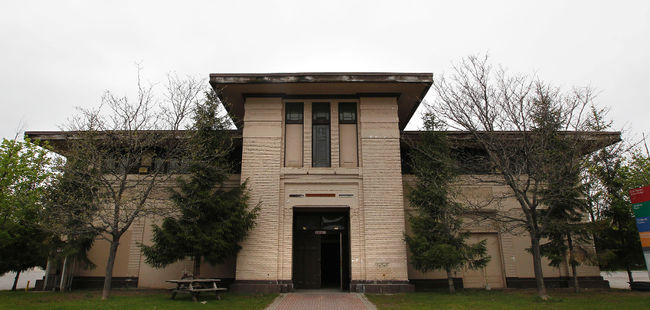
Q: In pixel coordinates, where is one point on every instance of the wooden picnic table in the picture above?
(195, 287)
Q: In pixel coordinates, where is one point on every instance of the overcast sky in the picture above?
(57, 55)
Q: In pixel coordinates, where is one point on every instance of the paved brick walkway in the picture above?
(321, 301)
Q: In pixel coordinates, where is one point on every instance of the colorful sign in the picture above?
(640, 198)
(641, 209)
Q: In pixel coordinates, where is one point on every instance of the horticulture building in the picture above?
(324, 156)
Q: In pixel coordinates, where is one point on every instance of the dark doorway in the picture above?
(321, 249)
(330, 267)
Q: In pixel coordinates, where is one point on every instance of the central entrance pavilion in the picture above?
(323, 148)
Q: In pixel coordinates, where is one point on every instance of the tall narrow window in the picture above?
(293, 121)
(348, 134)
(320, 146)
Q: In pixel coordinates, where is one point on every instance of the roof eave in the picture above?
(221, 81)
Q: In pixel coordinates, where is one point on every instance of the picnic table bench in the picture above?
(194, 287)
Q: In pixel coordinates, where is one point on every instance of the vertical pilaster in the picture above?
(334, 133)
(261, 162)
(307, 135)
(383, 207)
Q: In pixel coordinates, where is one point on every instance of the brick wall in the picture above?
(383, 208)
(261, 162)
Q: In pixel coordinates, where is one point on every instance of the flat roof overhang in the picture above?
(409, 88)
(58, 141)
(593, 141)
(590, 141)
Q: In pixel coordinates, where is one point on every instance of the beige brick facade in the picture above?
(375, 202)
(261, 162)
(382, 190)
(507, 248)
(371, 192)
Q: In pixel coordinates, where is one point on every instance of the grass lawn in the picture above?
(128, 299)
(515, 299)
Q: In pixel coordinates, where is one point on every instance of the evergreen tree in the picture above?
(568, 237)
(437, 239)
(562, 192)
(212, 220)
(68, 207)
(619, 245)
(610, 173)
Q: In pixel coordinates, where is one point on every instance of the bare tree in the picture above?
(529, 131)
(128, 150)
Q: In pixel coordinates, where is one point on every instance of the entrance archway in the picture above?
(321, 248)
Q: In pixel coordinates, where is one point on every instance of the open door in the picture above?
(321, 250)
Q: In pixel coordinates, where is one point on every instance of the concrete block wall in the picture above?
(506, 246)
(261, 163)
(130, 263)
(383, 208)
(378, 252)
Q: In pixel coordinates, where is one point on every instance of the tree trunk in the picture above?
(48, 269)
(450, 281)
(574, 268)
(13, 288)
(576, 286)
(197, 267)
(630, 279)
(537, 266)
(109, 267)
